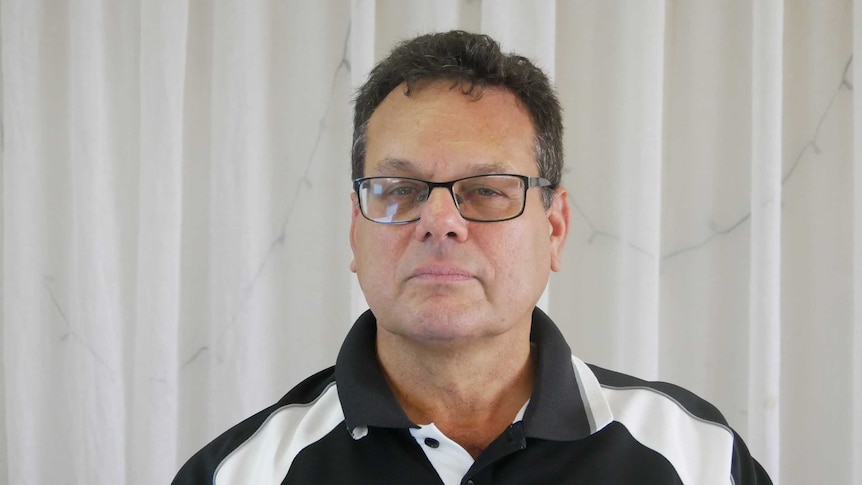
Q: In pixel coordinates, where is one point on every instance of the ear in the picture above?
(354, 216)
(558, 222)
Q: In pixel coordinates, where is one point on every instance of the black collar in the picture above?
(556, 410)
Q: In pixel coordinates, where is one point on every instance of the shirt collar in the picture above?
(363, 391)
(556, 410)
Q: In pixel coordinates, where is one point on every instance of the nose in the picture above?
(440, 219)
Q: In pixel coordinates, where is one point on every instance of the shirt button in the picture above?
(431, 443)
(471, 482)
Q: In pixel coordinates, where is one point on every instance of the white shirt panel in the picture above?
(700, 451)
(267, 455)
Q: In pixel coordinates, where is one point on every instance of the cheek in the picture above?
(376, 254)
(513, 258)
(527, 257)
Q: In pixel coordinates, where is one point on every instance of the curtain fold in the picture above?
(174, 208)
(154, 341)
(615, 188)
(855, 72)
(764, 352)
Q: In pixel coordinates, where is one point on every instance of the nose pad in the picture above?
(456, 198)
(441, 218)
(446, 198)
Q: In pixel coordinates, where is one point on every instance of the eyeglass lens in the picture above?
(481, 198)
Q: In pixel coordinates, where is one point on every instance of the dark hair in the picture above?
(472, 62)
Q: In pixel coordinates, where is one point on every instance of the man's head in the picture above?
(443, 108)
(471, 62)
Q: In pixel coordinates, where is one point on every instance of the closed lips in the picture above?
(441, 272)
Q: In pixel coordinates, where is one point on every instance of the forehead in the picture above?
(437, 128)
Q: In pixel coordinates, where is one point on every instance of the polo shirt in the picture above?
(582, 425)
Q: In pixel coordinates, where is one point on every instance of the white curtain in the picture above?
(174, 210)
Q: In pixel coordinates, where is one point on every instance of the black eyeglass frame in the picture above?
(529, 183)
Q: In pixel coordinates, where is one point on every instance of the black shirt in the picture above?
(582, 424)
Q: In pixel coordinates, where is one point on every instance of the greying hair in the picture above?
(471, 62)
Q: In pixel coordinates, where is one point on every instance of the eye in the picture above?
(404, 190)
(481, 191)
(487, 192)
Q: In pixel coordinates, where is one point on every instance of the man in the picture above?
(454, 376)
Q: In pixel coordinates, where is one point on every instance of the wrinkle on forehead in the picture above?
(394, 166)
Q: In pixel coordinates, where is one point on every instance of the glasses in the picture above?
(481, 198)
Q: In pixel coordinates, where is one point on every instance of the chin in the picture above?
(450, 325)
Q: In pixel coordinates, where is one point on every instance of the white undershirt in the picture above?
(449, 459)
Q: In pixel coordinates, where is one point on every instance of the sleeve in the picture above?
(745, 470)
(201, 467)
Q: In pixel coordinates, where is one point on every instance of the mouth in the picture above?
(441, 273)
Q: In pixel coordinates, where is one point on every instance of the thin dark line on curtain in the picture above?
(69, 333)
(594, 232)
(304, 182)
(811, 145)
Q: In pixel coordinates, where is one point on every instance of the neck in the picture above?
(471, 392)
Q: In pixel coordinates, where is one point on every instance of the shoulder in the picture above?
(267, 429)
(684, 428)
(633, 391)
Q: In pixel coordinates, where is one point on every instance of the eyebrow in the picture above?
(399, 166)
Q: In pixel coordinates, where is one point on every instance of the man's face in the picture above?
(443, 278)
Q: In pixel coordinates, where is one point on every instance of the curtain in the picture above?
(174, 206)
